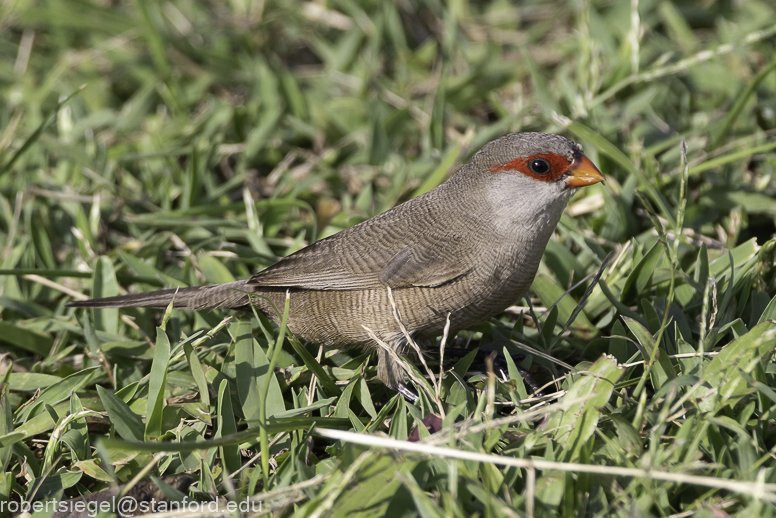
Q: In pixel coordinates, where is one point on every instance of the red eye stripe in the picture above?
(559, 164)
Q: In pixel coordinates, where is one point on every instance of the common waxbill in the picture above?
(469, 248)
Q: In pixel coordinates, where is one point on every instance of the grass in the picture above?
(145, 144)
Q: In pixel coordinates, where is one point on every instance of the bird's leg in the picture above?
(390, 371)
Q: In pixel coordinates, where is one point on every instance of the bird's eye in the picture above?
(539, 166)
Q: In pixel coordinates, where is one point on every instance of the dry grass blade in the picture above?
(759, 490)
(412, 342)
(399, 361)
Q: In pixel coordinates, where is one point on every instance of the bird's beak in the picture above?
(583, 172)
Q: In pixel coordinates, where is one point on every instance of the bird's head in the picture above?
(529, 177)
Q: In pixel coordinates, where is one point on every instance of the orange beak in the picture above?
(583, 172)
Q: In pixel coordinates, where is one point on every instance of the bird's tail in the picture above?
(231, 295)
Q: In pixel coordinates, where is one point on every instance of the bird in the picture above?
(464, 251)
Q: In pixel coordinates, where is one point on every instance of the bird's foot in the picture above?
(407, 393)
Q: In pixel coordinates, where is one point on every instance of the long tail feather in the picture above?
(231, 295)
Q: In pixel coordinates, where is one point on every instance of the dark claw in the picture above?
(528, 380)
(407, 393)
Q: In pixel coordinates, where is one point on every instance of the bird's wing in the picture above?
(317, 267)
(422, 266)
(344, 263)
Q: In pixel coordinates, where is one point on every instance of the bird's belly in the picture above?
(478, 307)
